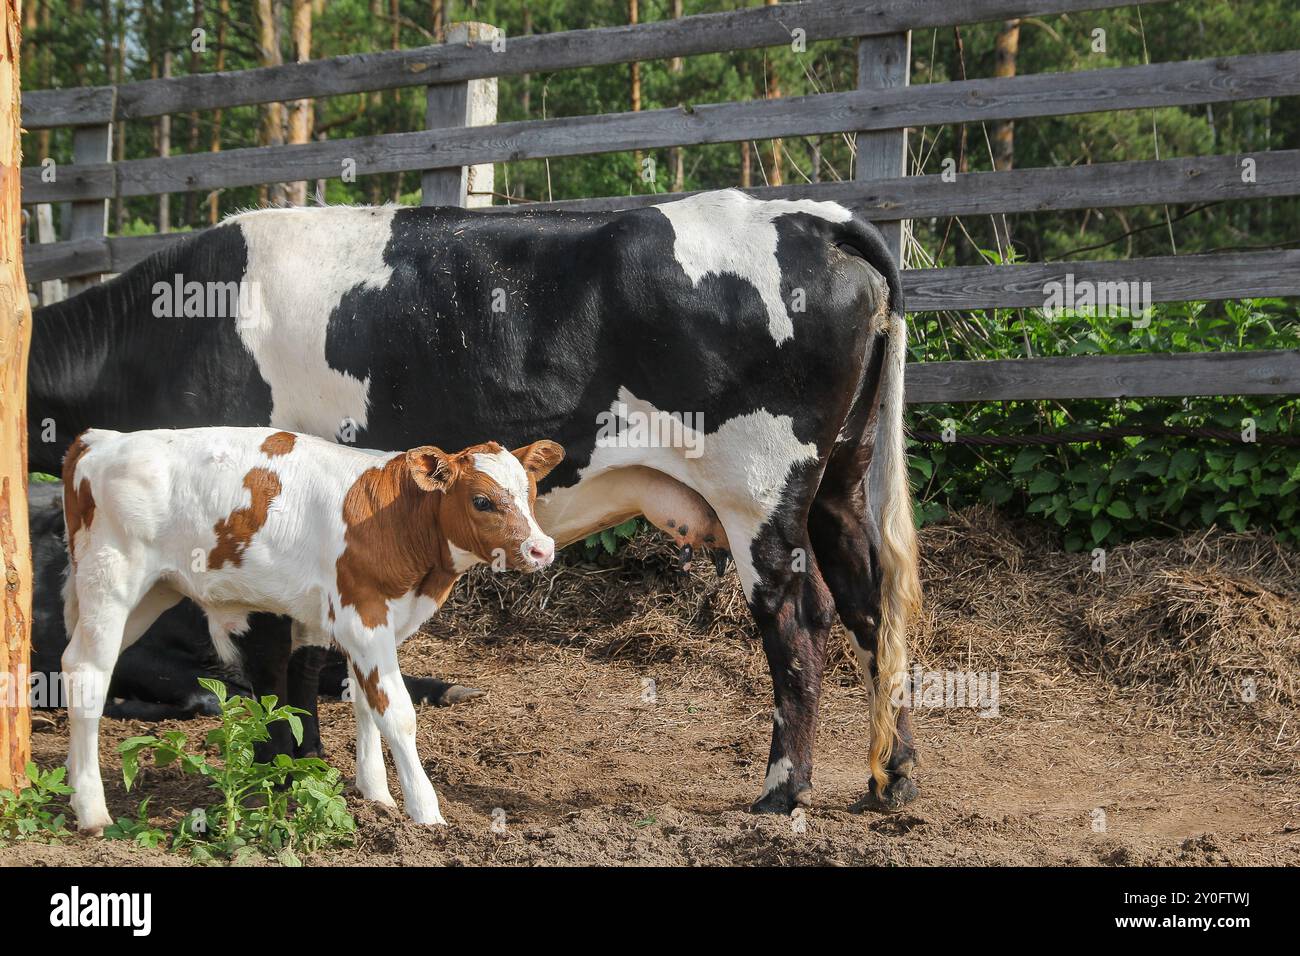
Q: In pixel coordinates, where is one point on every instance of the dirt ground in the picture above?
(1122, 737)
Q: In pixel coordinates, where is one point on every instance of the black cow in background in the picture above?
(157, 677)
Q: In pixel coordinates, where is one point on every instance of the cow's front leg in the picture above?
(264, 648)
(793, 610)
(379, 689)
(309, 650)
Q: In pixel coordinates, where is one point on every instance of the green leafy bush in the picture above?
(37, 812)
(611, 539)
(1103, 492)
(279, 809)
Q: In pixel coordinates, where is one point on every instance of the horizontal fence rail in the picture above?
(1252, 76)
(1105, 185)
(366, 72)
(1155, 375)
(1215, 276)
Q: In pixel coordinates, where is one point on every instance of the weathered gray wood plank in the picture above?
(688, 36)
(1101, 186)
(71, 182)
(83, 106)
(1075, 187)
(1158, 84)
(54, 260)
(1217, 276)
(91, 145)
(1106, 376)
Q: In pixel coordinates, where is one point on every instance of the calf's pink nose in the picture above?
(541, 552)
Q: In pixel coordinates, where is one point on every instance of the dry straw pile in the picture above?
(1199, 634)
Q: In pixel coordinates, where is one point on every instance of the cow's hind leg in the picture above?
(847, 544)
(794, 611)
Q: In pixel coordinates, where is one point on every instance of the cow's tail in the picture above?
(889, 498)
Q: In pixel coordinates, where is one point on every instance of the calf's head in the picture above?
(487, 501)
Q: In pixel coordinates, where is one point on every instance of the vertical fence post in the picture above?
(471, 103)
(884, 62)
(52, 290)
(89, 219)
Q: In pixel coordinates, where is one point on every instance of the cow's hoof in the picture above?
(782, 801)
(900, 792)
(457, 693)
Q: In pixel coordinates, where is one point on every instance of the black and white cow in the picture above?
(719, 362)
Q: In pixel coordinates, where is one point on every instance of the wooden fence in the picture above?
(879, 112)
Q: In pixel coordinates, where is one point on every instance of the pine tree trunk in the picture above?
(1006, 47)
(679, 155)
(165, 150)
(214, 144)
(271, 132)
(300, 111)
(633, 18)
(776, 174)
(395, 43)
(196, 66)
(15, 337)
(119, 131)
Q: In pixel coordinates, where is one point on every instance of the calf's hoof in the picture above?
(93, 824)
(427, 819)
(782, 800)
(899, 793)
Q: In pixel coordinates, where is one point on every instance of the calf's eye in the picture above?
(482, 503)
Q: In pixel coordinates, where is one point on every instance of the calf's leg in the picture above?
(372, 777)
(96, 611)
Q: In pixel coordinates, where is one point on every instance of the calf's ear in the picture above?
(540, 457)
(431, 468)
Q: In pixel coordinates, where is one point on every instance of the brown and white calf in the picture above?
(357, 548)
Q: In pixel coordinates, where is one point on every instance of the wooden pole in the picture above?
(15, 337)
(884, 62)
(470, 103)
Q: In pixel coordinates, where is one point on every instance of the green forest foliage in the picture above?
(1144, 486)
(75, 42)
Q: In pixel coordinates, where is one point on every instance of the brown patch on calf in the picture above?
(390, 539)
(78, 501)
(281, 443)
(376, 696)
(235, 532)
